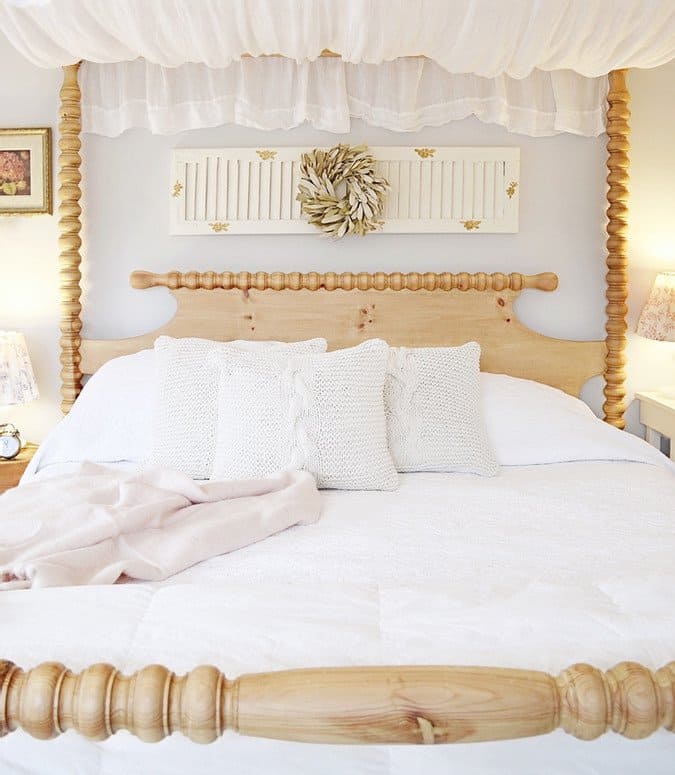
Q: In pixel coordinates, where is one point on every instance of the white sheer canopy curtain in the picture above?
(276, 93)
(534, 66)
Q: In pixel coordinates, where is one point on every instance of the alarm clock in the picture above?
(10, 442)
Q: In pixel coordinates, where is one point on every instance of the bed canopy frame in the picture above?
(608, 359)
(383, 705)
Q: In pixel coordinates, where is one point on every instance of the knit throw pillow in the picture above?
(433, 407)
(185, 413)
(322, 413)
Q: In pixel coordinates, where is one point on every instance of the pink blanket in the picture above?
(95, 525)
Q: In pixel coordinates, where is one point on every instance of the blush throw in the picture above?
(98, 524)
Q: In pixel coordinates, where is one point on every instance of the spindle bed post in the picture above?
(70, 244)
(617, 259)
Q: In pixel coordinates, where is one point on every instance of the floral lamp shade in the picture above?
(17, 381)
(657, 320)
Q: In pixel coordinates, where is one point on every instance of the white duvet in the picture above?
(540, 567)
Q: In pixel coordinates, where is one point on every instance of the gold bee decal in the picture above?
(425, 153)
(219, 226)
(511, 189)
(266, 155)
(471, 225)
(177, 188)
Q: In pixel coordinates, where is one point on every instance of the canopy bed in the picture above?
(365, 702)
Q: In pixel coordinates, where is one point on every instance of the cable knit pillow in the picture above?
(185, 414)
(434, 419)
(320, 413)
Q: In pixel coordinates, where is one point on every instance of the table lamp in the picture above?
(17, 386)
(657, 320)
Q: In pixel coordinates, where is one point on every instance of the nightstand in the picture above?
(657, 413)
(12, 470)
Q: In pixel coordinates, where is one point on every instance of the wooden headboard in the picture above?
(415, 309)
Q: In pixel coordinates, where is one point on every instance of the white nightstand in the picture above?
(657, 413)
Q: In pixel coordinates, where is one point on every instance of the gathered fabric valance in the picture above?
(277, 93)
(535, 67)
(488, 38)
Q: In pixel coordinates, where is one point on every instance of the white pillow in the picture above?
(529, 423)
(184, 412)
(111, 420)
(434, 417)
(321, 413)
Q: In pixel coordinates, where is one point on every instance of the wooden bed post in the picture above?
(69, 236)
(358, 705)
(617, 261)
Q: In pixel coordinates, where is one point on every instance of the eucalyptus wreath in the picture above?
(339, 191)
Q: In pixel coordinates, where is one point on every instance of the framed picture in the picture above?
(25, 171)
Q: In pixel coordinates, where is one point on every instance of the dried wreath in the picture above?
(339, 191)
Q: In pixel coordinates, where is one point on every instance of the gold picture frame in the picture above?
(26, 171)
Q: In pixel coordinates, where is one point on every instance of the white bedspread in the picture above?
(540, 567)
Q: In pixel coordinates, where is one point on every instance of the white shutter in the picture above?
(252, 190)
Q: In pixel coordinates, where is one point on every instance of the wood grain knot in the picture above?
(427, 730)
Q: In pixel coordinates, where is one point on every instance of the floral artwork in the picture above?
(25, 171)
(15, 173)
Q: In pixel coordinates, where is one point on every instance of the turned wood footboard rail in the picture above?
(379, 705)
